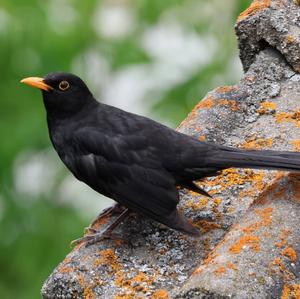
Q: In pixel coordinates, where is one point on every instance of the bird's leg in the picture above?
(112, 210)
(97, 236)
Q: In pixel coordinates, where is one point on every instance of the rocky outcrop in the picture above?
(250, 241)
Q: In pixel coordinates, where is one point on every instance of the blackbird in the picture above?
(132, 159)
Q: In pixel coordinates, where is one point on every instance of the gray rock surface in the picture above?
(251, 236)
(274, 23)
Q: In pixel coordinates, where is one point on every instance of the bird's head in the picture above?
(64, 94)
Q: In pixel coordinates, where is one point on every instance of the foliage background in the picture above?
(153, 57)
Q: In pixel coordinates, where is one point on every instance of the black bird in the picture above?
(132, 159)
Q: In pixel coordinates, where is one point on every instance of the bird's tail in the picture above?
(265, 159)
(178, 221)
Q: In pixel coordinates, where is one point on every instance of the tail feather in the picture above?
(177, 220)
(193, 187)
(278, 160)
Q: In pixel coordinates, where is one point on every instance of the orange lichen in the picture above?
(231, 266)
(126, 296)
(281, 270)
(197, 129)
(293, 117)
(160, 294)
(100, 221)
(258, 184)
(108, 258)
(210, 102)
(88, 287)
(277, 262)
(206, 226)
(221, 270)
(200, 204)
(291, 291)
(283, 238)
(227, 178)
(230, 103)
(65, 269)
(290, 252)
(118, 242)
(281, 243)
(202, 138)
(211, 257)
(266, 235)
(225, 89)
(81, 280)
(267, 107)
(290, 39)
(232, 176)
(131, 286)
(206, 103)
(255, 7)
(258, 143)
(266, 219)
(88, 294)
(66, 260)
(296, 144)
(248, 240)
(258, 180)
(231, 210)
(266, 215)
(217, 201)
(198, 270)
(250, 78)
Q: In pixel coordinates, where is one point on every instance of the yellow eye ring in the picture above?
(64, 85)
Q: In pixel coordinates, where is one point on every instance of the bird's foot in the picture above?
(112, 210)
(95, 236)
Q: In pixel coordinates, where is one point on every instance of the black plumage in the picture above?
(133, 159)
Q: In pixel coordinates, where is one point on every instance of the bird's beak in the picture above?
(37, 83)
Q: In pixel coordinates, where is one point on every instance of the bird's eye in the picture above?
(64, 85)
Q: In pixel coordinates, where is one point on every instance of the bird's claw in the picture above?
(93, 238)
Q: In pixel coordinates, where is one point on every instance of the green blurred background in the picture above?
(153, 57)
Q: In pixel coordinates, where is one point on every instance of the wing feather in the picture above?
(128, 170)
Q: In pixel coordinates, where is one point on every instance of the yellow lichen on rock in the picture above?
(296, 144)
(258, 143)
(255, 7)
(249, 241)
(293, 117)
(290, 252)
(267, 108)
(291, 291)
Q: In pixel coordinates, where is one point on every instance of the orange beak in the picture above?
(37, 83)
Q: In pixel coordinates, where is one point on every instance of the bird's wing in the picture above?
(129, 169)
